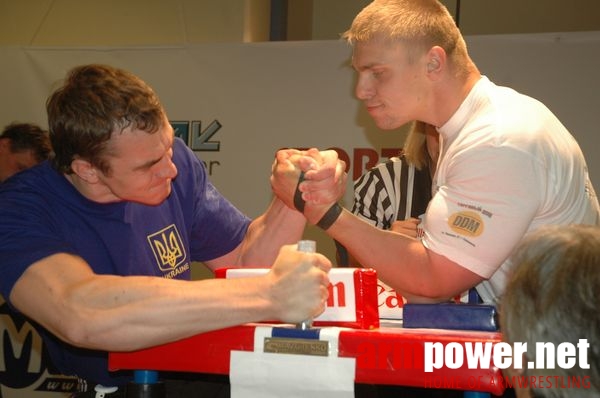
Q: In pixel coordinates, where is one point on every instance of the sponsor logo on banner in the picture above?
(341, 305)
(200, 140)
(391, 303)
(363, 159)
(502, 355)
(435, 356)
(201, 137)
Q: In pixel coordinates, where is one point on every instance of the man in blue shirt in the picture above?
(96, 244)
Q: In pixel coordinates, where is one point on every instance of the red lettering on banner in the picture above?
(366, 356)
(556, 382)
(343, 156)
(445, 382)
(389, 297)
(358, 156)
(359, 165)
(390, 152)
(380, 355)
(336, 291)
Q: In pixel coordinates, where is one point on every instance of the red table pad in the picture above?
(387, 355)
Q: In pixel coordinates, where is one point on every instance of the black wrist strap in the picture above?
(330, 217)
(298, 201)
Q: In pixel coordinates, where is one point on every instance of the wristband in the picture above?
(298, 201)
(330, 217)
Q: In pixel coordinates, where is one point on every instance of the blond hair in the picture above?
(419, 25)
(415, 146)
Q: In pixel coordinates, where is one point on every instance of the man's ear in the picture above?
(436, 60)
(84, 170)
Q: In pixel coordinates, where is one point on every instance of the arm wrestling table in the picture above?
(387, 355)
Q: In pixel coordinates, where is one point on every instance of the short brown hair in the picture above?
(94, 102)
(28, 137)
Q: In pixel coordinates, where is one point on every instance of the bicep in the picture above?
(453, 278)
(482, 209)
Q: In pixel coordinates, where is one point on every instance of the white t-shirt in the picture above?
(507, 166)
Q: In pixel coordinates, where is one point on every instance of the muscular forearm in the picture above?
(147, 311)
(115, 313)
(278, 226)
(124, 313)
(389, 253)
(401, 261)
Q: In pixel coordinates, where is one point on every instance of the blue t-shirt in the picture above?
(41, 214)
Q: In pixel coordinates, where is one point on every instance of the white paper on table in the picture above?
(274, 375)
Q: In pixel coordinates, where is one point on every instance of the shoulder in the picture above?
(38, 178)
(181, 152)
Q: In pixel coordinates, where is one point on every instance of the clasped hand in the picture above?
(324, 179)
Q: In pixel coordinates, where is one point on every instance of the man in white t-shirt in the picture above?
(508, 167)
(507, 164)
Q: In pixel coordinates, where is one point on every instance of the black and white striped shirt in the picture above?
(393, 190)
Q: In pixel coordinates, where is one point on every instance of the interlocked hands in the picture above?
(317, 179)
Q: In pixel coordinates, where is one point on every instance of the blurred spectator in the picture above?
(553, 297)
(22, 145)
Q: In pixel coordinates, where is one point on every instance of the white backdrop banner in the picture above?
(236, 104)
